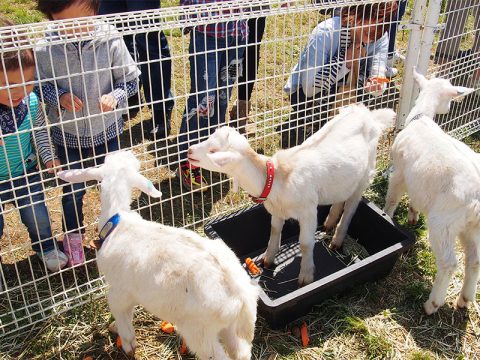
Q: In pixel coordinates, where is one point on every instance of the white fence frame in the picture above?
(36, 299)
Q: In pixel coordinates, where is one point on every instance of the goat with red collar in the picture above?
(334, 166)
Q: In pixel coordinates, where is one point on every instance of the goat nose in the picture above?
(189, 151)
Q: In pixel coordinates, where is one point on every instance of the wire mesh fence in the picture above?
(157, 81)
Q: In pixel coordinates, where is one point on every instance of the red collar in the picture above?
(268, 184)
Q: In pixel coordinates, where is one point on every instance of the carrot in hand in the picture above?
(118, 342)
(381, 80)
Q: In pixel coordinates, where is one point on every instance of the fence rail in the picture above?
(30, 293)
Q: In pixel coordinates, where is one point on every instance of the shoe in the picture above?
(192, 179)
(53, 259)
(73, 247)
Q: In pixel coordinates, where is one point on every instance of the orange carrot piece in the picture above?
(118, 342)
(381, 80)
(167, 327)
(252, 267)
(88, 357)
(304, 334)
(183, 348)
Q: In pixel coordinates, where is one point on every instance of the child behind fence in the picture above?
(23, 126)
(86, 75)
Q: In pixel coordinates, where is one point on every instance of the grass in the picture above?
(378, 320)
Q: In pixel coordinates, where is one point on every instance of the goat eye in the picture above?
(211, 151)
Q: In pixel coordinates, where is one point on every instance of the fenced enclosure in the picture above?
(30, 293)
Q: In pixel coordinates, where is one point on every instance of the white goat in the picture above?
(334, 166)
(441, 176)
(176, 274)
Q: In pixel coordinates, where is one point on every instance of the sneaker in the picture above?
(53, 259)
(192, 178)
(73, 247)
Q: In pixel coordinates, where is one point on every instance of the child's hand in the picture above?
(108, 103)
(53, 166)
(66, 102)
(373, 85)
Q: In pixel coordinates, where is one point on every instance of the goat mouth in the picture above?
(192, 160)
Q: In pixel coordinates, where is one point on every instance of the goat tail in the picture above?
(384, 118)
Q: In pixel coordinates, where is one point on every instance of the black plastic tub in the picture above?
(281, 300)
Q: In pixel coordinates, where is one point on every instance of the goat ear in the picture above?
(81, 175)
(461, 91)
(222, 158)
(419, 78)
(145, 185)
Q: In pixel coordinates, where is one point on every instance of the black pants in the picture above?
(251, 58)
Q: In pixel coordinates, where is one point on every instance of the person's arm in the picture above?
(313, 58)
(45, 149)
(376, 66)
(48, 93)
(124, 72)
(121, 92)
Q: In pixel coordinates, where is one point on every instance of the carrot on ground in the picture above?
(183, 348)
(252, 267)
(118, 342)
(304, 334)
(167, 327)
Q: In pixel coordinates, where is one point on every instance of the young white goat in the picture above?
(176, 274)
(334, 166)
(441, 176)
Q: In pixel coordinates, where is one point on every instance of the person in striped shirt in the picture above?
(326, 63)
(22, 134)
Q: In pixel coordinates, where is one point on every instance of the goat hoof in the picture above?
(131, 354)
(462, 302)
(113, 327)
(430, 307)
(305, 279)
(334, 246)
(265, 264)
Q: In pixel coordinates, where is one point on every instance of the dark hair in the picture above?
(49, 7)
(381, 12)
(11, 57)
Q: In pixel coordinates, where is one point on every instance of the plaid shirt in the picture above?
(221, 29)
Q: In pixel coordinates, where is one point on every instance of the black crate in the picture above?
(281, 300)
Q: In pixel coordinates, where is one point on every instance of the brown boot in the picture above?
(239, 115)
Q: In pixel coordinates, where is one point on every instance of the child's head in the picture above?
(369, 22)
(17, 67)
(68, 9)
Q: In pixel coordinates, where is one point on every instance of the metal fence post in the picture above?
(418, 53)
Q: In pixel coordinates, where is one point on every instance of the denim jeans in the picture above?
(152, 47)
(27, 195)
(72, 200)
(215, 65)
